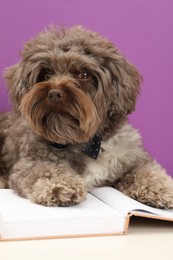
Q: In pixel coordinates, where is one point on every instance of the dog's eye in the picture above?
(82, 75)
(43, 76)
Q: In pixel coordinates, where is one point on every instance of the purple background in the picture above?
(141, 29)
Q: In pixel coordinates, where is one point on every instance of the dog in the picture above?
(72, 92)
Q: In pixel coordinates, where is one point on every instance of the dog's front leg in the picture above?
(47, 183)
(149, 184)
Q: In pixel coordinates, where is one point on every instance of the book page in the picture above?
(125, 205)
(22, 218)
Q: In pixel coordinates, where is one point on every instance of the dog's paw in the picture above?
(58, 192)
(149, 185)
(153, 195)
(156, 197)
(3, 182)
(157, 192)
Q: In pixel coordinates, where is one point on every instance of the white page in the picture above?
(22, 218)
(124, 204)
(15, 208)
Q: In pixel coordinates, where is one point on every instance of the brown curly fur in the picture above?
(70, 85)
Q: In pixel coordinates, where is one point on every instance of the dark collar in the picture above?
(91, 148)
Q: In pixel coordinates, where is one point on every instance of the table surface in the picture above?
(147, 238)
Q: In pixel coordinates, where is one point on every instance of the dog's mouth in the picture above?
(62, 114)
(59, 127)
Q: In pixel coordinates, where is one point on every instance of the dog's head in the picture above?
(72, 84)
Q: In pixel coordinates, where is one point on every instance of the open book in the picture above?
(105, 212)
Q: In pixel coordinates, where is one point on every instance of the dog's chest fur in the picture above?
(116, 156)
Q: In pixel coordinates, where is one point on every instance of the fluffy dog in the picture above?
(72, 92)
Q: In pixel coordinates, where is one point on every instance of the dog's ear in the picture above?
(126, 80)
(13, 75)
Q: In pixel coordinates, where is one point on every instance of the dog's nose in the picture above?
(55, 95)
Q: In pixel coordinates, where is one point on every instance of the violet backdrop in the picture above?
(141, 29)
